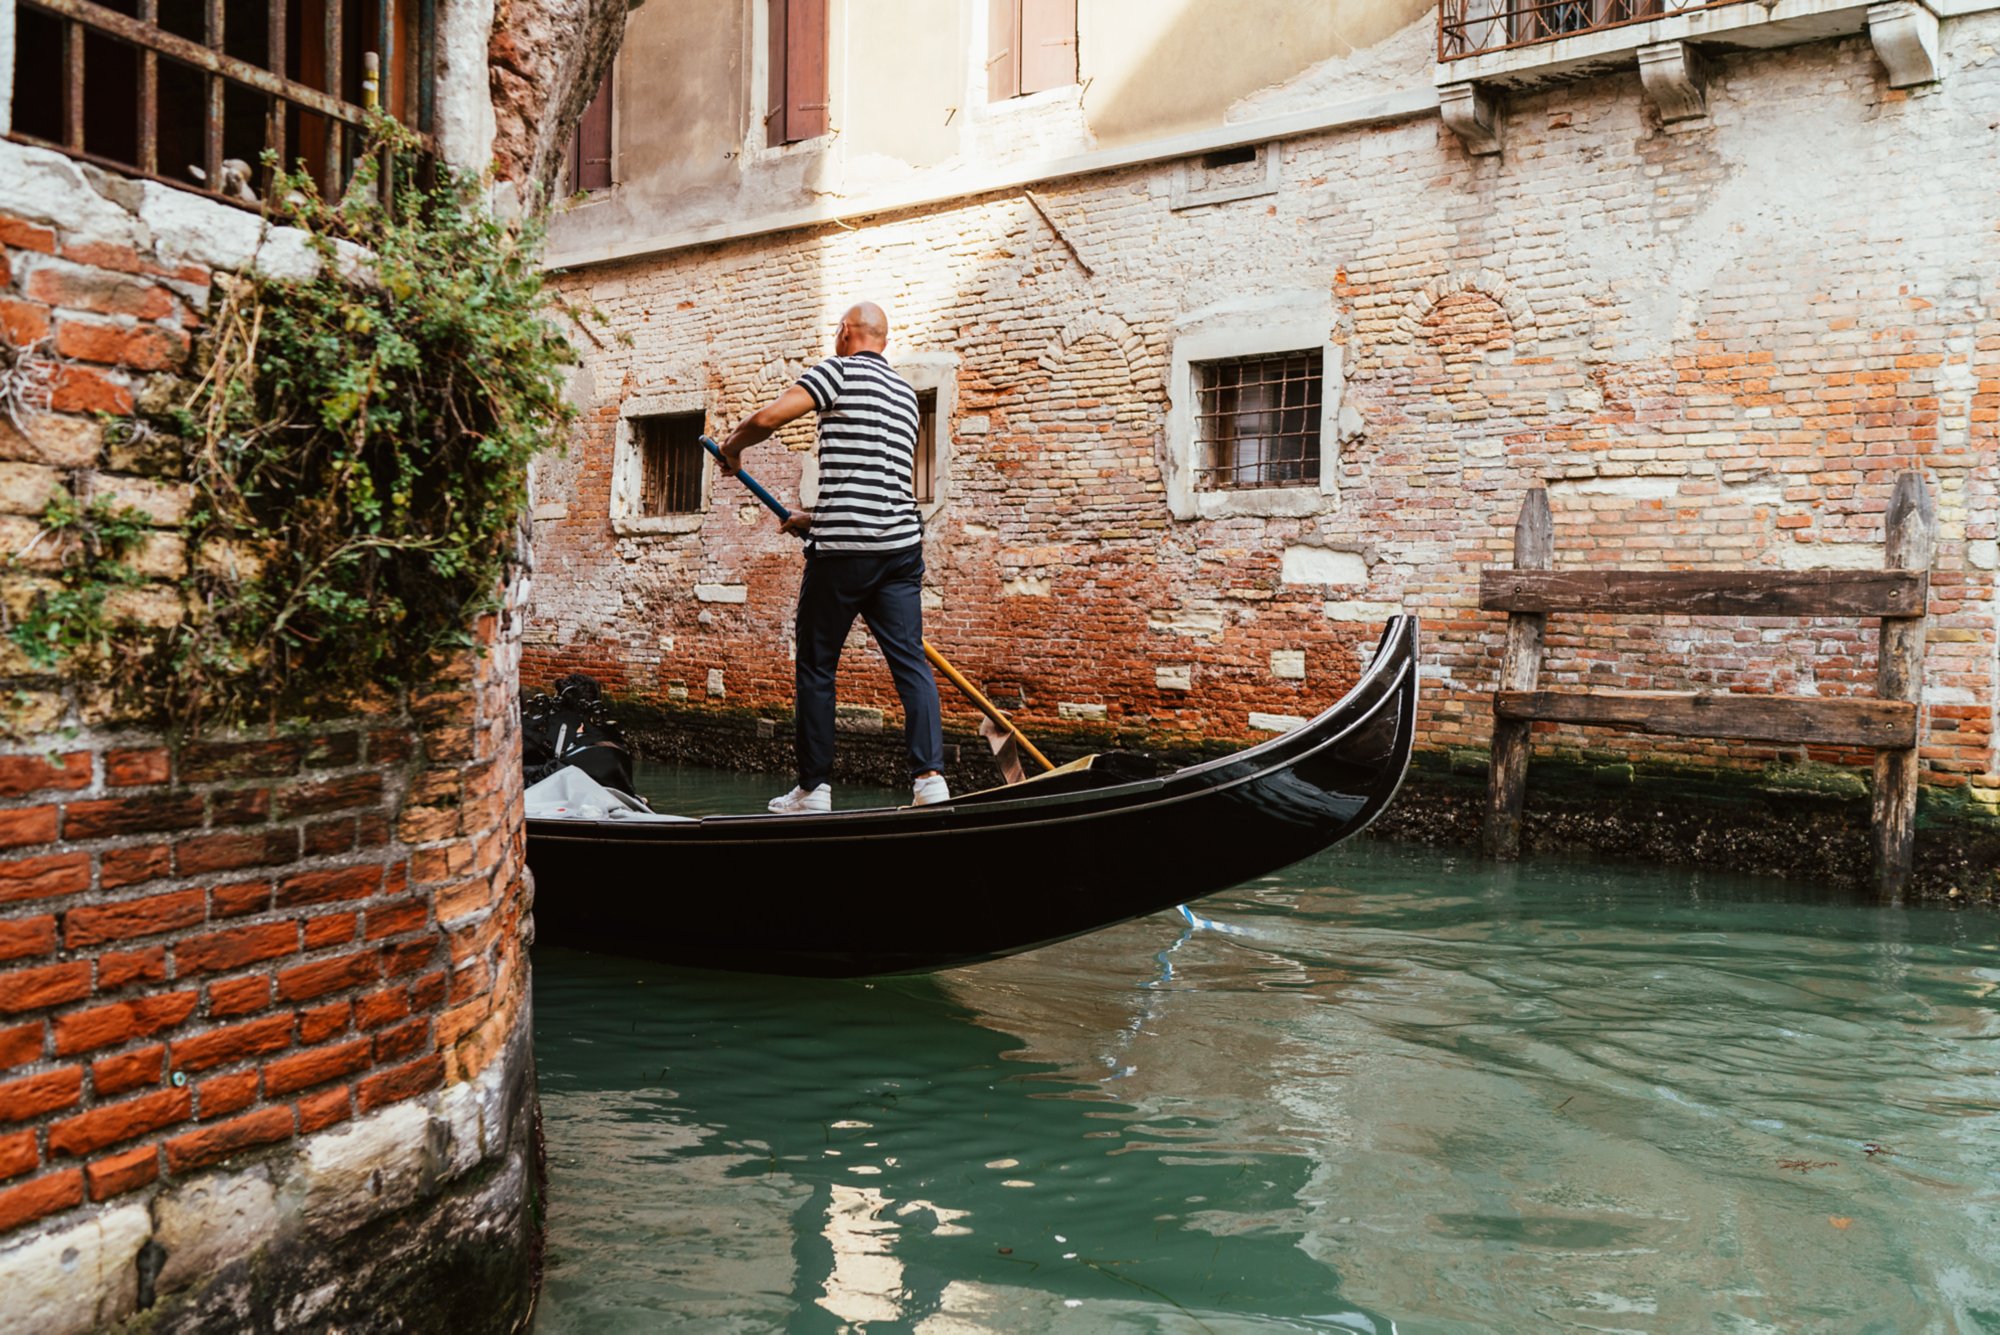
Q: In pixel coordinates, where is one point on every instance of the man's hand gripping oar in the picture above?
(1006, 738)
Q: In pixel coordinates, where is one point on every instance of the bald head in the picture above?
(863, 329)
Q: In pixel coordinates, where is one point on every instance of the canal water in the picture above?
(1387, 1089)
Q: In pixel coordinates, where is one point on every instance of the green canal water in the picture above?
(1387, 1089)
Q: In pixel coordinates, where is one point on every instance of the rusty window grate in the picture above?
(670, 463)
(1257, 421)
(193, 93)
(923, 470)
(1474, 27)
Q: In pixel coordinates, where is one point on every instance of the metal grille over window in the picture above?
(194, 92)
(1258, 421)
(670, 461)
(923, 473)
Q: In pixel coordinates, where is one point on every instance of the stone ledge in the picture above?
(422, 1208)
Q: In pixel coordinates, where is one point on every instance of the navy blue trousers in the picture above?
(886, 591)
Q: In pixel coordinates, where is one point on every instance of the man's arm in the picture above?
(793, 404)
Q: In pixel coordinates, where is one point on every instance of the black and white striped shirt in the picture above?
(867, 448)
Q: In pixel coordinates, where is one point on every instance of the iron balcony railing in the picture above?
(1474, 27)
(195, 92)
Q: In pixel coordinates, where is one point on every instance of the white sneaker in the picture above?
(799, 802)
(931, 788)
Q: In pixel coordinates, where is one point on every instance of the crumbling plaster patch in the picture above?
(465, 121)
(1402, 61)
(77, 1279)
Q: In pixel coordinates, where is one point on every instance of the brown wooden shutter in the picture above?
(774, 93)
(805, 69)
(1048, 44)
(592, 151)
(1003, 57)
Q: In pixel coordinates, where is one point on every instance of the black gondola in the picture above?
(992, 873)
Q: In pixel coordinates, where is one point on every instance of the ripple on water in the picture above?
(1386, 1085)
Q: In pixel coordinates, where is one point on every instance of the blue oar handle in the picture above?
(756, 487)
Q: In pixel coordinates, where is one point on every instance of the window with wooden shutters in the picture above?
(1030, 46)
(798, 96)
(589, 162)
(670, 463)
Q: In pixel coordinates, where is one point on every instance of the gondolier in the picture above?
(864, 551)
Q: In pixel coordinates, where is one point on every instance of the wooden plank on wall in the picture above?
(1797, 719)
(1520, 669)
(1794, 593)
(1910, 540)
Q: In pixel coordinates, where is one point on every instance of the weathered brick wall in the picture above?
(215, 956)
(1715, 342)
(220, 948)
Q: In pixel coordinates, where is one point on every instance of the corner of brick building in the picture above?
(264, 1006)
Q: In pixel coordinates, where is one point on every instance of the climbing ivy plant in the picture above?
(67, 624)
(357, 446)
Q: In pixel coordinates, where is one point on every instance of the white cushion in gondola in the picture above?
(570, 794)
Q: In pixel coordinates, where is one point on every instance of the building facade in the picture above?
(264, 1011)
(1241, 327)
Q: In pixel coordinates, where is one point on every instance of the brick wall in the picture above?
(212, 954)
(214, 950)
(1715, 342)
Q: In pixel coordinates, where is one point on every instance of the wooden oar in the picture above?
(986, 707)
(952, 674)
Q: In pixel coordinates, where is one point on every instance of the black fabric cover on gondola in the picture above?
(571, 724)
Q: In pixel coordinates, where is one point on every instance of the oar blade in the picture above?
(1006, 751)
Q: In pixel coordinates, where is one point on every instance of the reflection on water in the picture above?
(1384, 1089)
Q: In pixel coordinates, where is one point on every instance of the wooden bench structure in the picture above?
(1899, 594)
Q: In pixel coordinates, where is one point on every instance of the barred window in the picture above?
(194, 92)
(1257, 421)
(670, 462)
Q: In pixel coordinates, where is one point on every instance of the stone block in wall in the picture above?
(51, 438)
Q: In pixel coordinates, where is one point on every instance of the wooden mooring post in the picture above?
(1899, 594)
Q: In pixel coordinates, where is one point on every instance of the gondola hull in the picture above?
(912, 889)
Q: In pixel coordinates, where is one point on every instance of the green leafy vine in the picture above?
(356, 447)
(68, 623)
